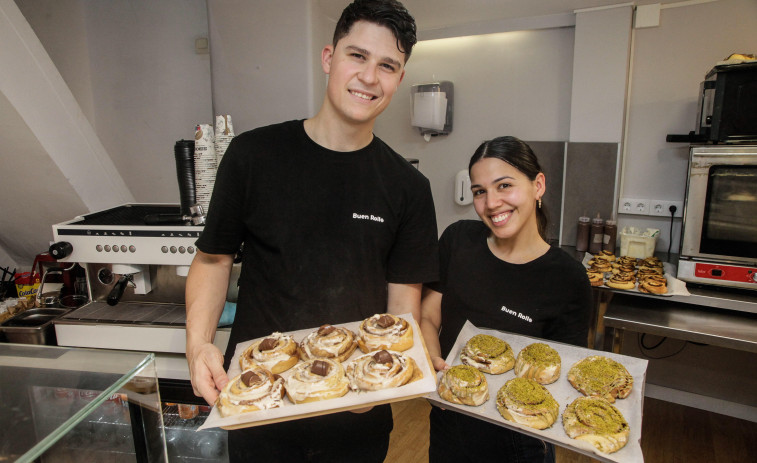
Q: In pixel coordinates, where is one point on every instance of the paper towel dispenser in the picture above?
(431, 110)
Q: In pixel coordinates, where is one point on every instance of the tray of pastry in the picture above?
(541, 399)
(322, 370)
(650, 275)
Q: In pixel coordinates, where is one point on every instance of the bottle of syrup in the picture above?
(597, 235)
(583, 231)
(610, 236)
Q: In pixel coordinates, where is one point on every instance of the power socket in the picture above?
(661, 207)
(633, 206)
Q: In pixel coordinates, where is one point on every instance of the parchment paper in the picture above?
(352, 400)
(676, 287)
(631, 407)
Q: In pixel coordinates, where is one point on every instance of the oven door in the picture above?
(720, 221)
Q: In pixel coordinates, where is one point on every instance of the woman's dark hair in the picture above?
(518, 154)
(388, 13)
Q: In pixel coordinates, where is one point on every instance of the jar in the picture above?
(610, 236)
(582, 233)
(596, 235)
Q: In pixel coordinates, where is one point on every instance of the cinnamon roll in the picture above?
(488, 353)
(605, 255)
(595, 278)
(316, 379)
(465, 385)
(277, 352)
(597, 376)
(382, 370)
(527, 402)
(621, 282)
(329, 342)
(385, 331)
(253, 389)
(539, 362)
(596, 421)
(653, 285)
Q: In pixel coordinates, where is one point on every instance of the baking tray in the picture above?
(676, 287)
(631, 407)
(351, 401)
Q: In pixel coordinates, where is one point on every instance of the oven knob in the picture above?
(107, 248)
(173, 249)
(164, 249)
(99, 248)
(182, 250)
(123, 248)
(191, 249)
(61, 249)
(132, 248)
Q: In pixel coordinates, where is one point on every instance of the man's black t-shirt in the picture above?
(549, 297)
(323, 231)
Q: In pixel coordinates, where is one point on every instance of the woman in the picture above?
(500, 273)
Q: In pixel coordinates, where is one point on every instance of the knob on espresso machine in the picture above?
(61, 249)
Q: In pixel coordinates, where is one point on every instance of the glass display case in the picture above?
(69, 404)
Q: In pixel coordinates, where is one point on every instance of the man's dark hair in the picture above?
(388, 13)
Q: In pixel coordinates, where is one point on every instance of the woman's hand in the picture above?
(439, 364)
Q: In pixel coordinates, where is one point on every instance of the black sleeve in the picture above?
(445, 250)
(572, 325)
(224, 229)
(414, 255)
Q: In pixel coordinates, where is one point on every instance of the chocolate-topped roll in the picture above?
(316, 379)
(277, 352)
(385, 331)
(253, 389)
(329, 341)
(382, 369)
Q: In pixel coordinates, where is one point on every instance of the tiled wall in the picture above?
(581, 179)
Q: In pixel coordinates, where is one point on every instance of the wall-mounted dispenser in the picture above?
(463, 193)
(431, 110)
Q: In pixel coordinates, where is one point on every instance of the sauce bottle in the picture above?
(610, 235)
(582, 233)
(597, 235)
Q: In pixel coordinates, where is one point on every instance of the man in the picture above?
(336, 227)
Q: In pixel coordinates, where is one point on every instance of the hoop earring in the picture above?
(539, 203)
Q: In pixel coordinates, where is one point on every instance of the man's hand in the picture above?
(206, 371)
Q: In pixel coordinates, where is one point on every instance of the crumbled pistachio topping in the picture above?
(488, 345)
(540, 354)
(598, 372)
(465, 373)
(528, 391)
(600, 415)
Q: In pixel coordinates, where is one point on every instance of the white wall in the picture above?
(512, 83)
(669, 62)
(132, 66)
(262, 61)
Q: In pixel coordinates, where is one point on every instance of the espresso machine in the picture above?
(136, 258)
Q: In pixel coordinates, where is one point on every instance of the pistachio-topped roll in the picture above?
(464, 384)
(488, 353)
(596, 421)
(597, 376)
(539, 362)
(527, 402)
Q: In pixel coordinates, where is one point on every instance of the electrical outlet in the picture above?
(633, 206)
(661, 207)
